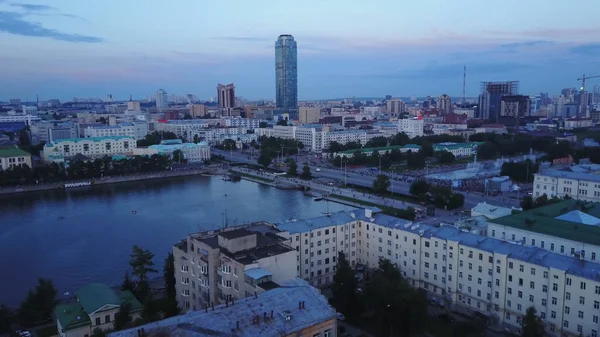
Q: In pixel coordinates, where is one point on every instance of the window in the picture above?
(554, 300)
(327, 333)
(107, 319)
(580, 314)
(98, 322)
(567, 310)
(581, 300)
(582, 285)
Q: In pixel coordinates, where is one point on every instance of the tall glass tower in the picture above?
(286, 75)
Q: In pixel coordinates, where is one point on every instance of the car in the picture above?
(318, 169)
(340, 316)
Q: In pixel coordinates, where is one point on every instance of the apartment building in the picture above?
(344, 137)
(295, 310)
(458, 149)
(308, 115)
(469, 272)
(575, 123)
(230, 264)
(311, 138)
(248, 123)
(90, 147)
(13, 156)
(578, 182)
(413, 127)
(217, 135)
(49, 131)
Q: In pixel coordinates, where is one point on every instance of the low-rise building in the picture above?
(192, 152)
(231, 264)
(11, 157)
(458, 149)
(580, 182)
(182, 127)
(248, 123)
(96, 307)
(90, 147)
(490, 211)
(123, 129)
(381, 150)
(295, 310)
(491, 128)
(49, 131)
(576, 123)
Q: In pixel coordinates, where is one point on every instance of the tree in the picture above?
(487, 150)
(123, 316)
(178, 156)
(128, 283)
(142, 265)
(527, 202)
(419, 187)
(98, 333)
(264, 160)
(344, 289)
(335, 147)
(263, 125)
(532, 325)
(306, 175)
(292, 167)
(426, 149)
(381, 184)
(39, 303)
(171, 307)
(445, 157)
(283, 122)
(399, 309)
(196, 139)
(377, 142)
(7, 318)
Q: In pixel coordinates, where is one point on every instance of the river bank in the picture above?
(105, 180)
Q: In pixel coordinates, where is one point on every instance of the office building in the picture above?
(467, 272)
(491, 95)
(308, 115)
(514, 106)
(286, 75)
(229, 264)
(395, 107)
(30, 110)
(198, 110)
(444, 104)
(413, 127)
(297, 310)
(97, 147)
(13, 156)
(162, 99)
(226, 95)
(96, 307)
(49, 131)
(192, 152)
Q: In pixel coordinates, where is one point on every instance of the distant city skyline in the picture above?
(346, 48)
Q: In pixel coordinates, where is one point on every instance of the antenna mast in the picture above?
(464, 85)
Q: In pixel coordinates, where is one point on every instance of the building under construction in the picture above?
(491, 97)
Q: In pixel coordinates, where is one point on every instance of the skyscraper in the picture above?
(162, 100)
(286, 75)
(226, 95)
(491, 94)
(444, 104)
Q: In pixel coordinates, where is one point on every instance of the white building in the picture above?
(230, 264)
(49, 131)
(30, 110)
(89, 147)
(344, 137)
(249, 123)
(490, 211)
(27, 119)
(308, 115)
(580, 182)
(123, 129)
(311, 138)
(182, 127)
(413, 127)
(575, 123)
(192, 152)
(162, 99)
(469, 272)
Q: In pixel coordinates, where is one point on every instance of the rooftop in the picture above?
(446, 146)
(571, 172)
(71, 316)
(384, 148)
(90, 139)
(97, 295)
(236, 233)
(491, 211)
(277, 310)
(558, 220)
(6, 152)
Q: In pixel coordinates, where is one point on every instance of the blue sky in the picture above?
(87, 48)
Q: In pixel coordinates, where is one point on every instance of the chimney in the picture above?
(303, 307)
(271, 314)
(237, 325)
(368, 213)
(300, 305)
(212, 304)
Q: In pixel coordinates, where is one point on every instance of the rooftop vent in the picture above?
(286, 314)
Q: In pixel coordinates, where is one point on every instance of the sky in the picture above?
(346, 48)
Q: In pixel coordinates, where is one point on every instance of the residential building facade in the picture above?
(11, 157)
(162, 99)
(192, 152)
(123, 129)
(413, 127)
(581, 182)
(90, 147)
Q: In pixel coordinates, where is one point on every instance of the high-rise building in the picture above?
(444, 104)
(491, 94)
(596, 98)
(198, 110)
(395, 107)
(514, 106)
(226, 95)
(133, 106)
(286, 75)
(162, 100)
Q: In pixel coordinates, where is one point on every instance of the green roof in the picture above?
(383, 148)
(542, 220)
(71, 316)
(96, 295)
(89, 139)
(13, 152)
(127, 297)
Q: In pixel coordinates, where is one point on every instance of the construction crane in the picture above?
(583, 78)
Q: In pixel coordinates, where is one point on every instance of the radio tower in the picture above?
(464, 100)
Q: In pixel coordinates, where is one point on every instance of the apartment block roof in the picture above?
(6, 152)
(238, 319)
(569, 173)
(90, 139)
(547, 220)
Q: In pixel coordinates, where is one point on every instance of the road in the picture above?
(397, 186)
